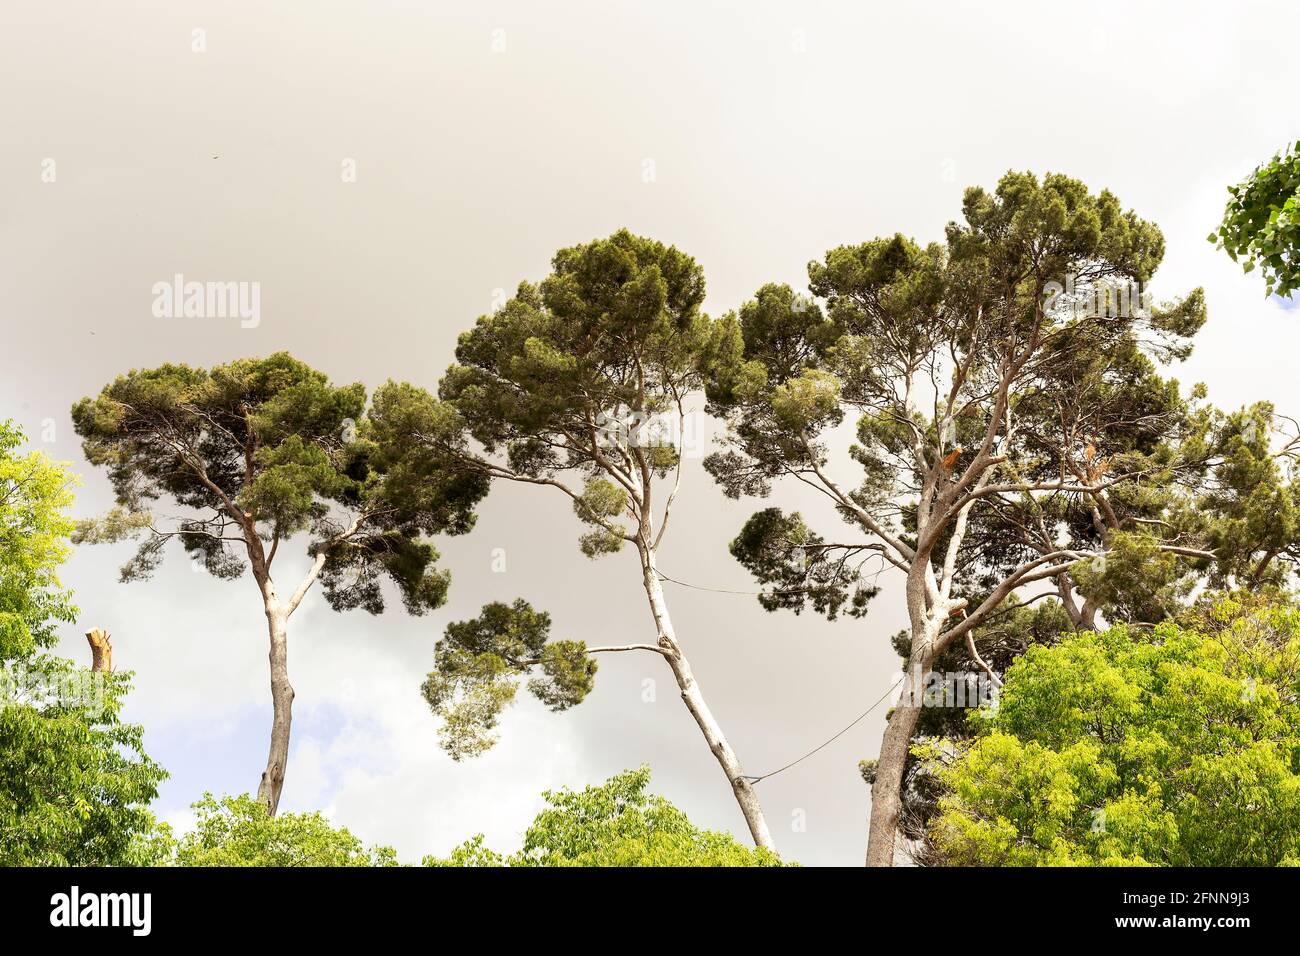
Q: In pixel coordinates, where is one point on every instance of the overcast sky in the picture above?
(483, 137)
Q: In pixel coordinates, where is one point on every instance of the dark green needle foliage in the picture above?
(586, 372)
(479, 664)
(264, 449)
(797, 568)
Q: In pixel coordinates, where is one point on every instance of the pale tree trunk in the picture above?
(1088, 615)
(694, 700)
(277, 624)
(887, 788)
(1082, 618)
(268, 791)
(1065, 591)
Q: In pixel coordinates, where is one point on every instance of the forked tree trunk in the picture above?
(268, 791)
(277, 623)
(695, 703)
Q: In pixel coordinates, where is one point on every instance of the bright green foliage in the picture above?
(1262, 222)
(262, 449)
(614, 824)
(75, 784)
(472, 853)
(478, 666)
(238, 831)
(1179, 748)
(1016, 627)
(34, 528)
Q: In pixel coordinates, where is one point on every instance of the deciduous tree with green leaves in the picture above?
(614, 824)
(260, 451)
(1178, 747)
(240, 831)
(75, 783)
(1261, 223)
(588, 374)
